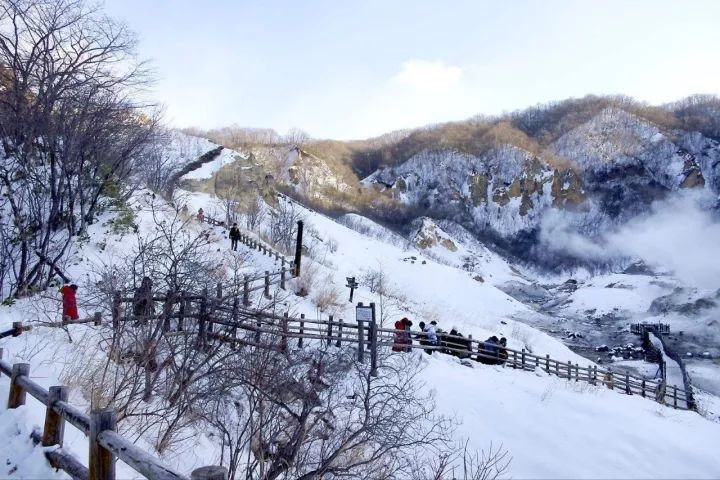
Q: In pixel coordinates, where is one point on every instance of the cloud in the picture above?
(427, 76)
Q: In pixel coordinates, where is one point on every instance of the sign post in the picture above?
(363, 315)
(352, 285)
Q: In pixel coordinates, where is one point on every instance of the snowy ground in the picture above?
(551, 427)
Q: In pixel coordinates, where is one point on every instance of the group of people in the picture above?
(491, 352)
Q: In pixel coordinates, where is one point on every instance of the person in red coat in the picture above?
(69, 301)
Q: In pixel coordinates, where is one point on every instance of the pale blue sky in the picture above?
(353, 69)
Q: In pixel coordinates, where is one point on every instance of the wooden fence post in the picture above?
(267, 284)
(97, 319)
(577, 372)
(282, 278)
(361, 344)
(17, 394)
(329, 329)
(643, 388)
(547, 363)
(338, 343)
(284, 335)
(116, 311)
(627, 384)
(219, 291)
(54, 429)
(514, 364)
(674, 396)
(373, 345)
(181, 311)
(569, 370)
(212, 472)
(257, 332)
(102, 461)
(522, 358)
(302, 330)
(201, 319)
(17, 329)
(246, 290)
(298, 247)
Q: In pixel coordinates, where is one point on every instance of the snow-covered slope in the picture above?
(552, 428)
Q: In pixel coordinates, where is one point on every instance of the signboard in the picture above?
(364, 314)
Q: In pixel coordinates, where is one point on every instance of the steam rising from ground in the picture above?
(679, 234)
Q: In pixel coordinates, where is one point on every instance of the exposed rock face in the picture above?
(605, 172)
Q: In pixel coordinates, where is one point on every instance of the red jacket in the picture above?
(69, 302)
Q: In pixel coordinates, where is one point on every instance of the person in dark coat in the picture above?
(502, 352)
(490, 351)
(70, 301)
(234, 237)
(143, 307)
(422, 337)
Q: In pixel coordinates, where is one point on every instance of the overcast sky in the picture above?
(353, 69)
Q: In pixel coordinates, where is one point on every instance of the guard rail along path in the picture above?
(106, 445)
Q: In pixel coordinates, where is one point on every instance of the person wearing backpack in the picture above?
(490, 351)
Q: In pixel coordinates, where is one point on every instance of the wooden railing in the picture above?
(268, 330)
(106, 445)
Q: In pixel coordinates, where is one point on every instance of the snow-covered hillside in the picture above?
(552, 428)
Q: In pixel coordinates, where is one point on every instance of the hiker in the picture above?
(432, 336)
(234, 237)
(399, 337)
(502, 353)
(201, 215)
(69, 301)
(407, 324)
(490, 351)
(422, 337)
(457, 343)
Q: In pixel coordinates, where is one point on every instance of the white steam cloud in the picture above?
(679, 235)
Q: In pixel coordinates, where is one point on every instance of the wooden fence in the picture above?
(228, 321)
(660, 328)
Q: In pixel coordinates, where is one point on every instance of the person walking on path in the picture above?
(234, 237)
(201, 215)
(69, 301)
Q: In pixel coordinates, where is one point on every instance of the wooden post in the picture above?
(17, 328)
(267, 284)
(514, 364)
(202, 314)
(577, 372)
(246, 292)
(627, 384)
(674, 396)
(102, 461)
(643, 388)
(219, 291)
(298, 247)
(373, 343)
(302, 330)
(522, 358)
(569, 370)
(277, 256)
(329, 329)
(338, 343)
(54, 428)
(17, 394)
(282, 278)
(361, 340)
(284, 339)
(97, 319)
(116, 311)
(547, 363)
(212, 472)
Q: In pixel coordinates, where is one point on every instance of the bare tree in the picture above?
(70, 127)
